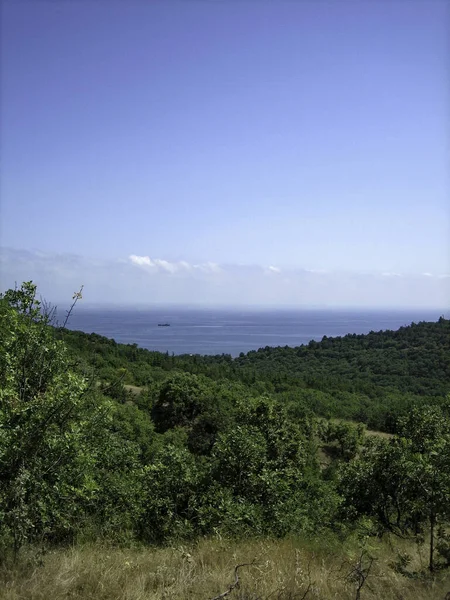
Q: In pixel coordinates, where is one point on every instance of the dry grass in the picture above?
(133, 388)
(281, 570)
(371, 432)
(326, 452)
(382, 434)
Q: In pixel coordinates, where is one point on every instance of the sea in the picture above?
(220, 331)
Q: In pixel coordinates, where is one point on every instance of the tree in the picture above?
(428, 433)
(405, 482)
(170, 488)
(62, 465)
(43, 409)
(180, 401)
(347, 436)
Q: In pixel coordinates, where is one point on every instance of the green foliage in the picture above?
(240, 457)
(181, 400)
(378, 483)
(43, 407)
(215, 445)
(117, 484)
(405, 482)
(284, 438)
(55, 438)
(342, 440)
(134, 425)
(170, 496)
(370, 378)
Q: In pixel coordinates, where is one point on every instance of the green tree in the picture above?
(170, 489)
(63, 464)
(181, 400)
(405, 482)
(427, 431)
(44, 406)
(342, 439)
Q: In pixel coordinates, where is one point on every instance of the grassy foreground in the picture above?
(280, 570)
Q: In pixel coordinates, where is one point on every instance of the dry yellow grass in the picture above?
(371, 432)
(323, 451)
(281, 570)
(133, 388)
(381, 434)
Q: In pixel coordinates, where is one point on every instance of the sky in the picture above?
(225, 152)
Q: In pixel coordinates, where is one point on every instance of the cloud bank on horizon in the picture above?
(142, 279)
(161, 265)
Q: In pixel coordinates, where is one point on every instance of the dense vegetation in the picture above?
(100, 440)
(369, 378)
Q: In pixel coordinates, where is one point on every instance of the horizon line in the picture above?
(258, 307)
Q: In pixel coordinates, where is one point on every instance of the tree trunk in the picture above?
(432, 524)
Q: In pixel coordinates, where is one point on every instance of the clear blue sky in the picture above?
(296, 134)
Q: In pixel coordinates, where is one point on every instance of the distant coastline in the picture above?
(214, 331)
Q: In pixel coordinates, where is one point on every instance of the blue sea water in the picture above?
(214, 331)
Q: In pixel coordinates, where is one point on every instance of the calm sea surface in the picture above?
(208, 331)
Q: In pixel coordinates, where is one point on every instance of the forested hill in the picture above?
(370, 378)
(102, 441)
(413, 359)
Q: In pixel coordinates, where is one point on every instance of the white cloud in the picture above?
(185, 265)
(166, 265)
(212, 267)
(142, 260)
(158, 263)
(162, 265)
(427, 274)
(143, 279)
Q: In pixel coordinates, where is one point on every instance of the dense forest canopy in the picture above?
(105, 440)
(368, 378)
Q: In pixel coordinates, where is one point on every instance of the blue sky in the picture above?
(303, 136)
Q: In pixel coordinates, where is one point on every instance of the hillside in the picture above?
(370, 378)
(115, 446)
(413, 359)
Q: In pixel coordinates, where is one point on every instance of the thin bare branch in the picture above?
(77, 296)
(236, 581)
(360, 573)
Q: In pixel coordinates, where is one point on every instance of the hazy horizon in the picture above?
(253, 307)
(159, 282)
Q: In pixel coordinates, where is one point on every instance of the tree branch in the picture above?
(236, 581)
